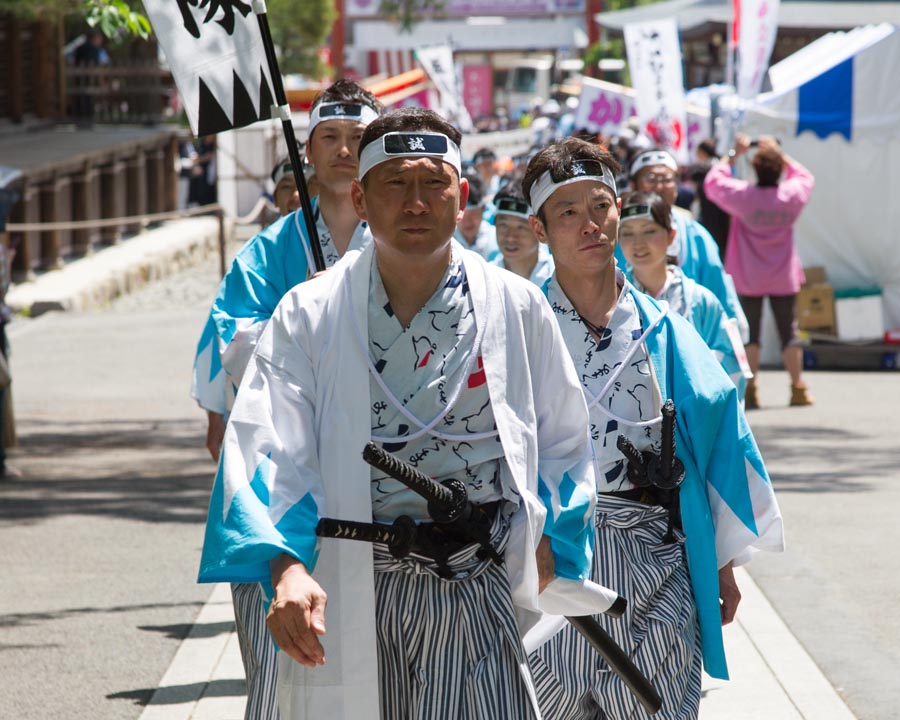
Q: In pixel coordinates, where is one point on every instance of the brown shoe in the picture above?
(751, 400)
(800, 396)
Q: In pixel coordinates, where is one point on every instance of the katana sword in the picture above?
(618, 662)
(448, 503)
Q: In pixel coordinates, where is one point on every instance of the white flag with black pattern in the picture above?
(215, 51)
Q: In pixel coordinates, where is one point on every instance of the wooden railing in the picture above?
(134, 93)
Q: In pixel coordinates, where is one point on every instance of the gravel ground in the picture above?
(192, 287)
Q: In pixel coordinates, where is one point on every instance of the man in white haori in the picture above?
(632, 355)
(264, 269)
(460, 370)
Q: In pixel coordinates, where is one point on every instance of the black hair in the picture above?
(483, 154)
(559, 157)
(347, 91)
(408, 119)
(659, 208)
(512, 190)
(476, 188)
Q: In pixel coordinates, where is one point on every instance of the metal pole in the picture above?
(259, 7)
(220, 213)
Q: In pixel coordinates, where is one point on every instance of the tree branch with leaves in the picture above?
(114, 18)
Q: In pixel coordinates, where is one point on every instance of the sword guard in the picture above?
(445, 514)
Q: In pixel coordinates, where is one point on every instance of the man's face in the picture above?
(412, 205)
(287, 198)
(471, 222)
(659, 179)
(333, 150)
(515, 238)
(581, 224)
(486, 169)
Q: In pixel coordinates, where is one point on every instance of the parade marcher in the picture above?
(645, 234)
(697, 253)
(458, 368)
(474, 232)
(672, 561)
(762, 256)
(520, 250)
(285, 196)
(485, 163)
(269, 265)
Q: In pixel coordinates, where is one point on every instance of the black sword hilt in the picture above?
(667, 451)
(447, 501)
(636, 465)
(399, 537)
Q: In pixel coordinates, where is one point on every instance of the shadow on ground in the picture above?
(177, 694)
(841, 460)
(24, 619)
(154, 471)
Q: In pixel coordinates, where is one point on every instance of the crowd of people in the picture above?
(561, 348)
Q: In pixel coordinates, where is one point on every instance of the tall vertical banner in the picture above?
(654, 60)
(437, 62)
(756, 25)
(215, 52)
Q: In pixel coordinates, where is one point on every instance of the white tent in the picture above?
(835, 106)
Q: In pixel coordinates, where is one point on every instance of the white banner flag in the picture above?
(757, 26)
(437, 62)
(605, 107)
(215, 51)
(654, 60)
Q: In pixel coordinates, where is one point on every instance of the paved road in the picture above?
(836, 469)
(101, 538)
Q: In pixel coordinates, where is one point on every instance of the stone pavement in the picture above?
(772, 675)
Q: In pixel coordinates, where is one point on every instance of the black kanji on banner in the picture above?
(213, 6)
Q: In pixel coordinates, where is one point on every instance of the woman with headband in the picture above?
(264, 269)
(521, 252)
(672, 561)
(645, 236)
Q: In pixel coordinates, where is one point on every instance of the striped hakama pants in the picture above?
(257, 651)
(450, 648)
(659, 630)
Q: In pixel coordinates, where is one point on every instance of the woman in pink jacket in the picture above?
(761, 255)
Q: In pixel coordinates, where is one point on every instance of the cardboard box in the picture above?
(815, 276)
(815, 303)
(815, 309)
(859, 317)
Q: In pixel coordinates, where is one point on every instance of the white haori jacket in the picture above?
(292, 454)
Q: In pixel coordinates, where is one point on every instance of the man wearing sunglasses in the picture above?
(417, 346)
(671, 555)
(265, 268)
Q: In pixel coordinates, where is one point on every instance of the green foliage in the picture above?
(408, 12)
(299, 29)
(114, 18)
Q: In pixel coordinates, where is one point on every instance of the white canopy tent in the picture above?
(835, 107)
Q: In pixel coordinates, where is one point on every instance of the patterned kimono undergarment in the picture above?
(447, 648)
(659, 629)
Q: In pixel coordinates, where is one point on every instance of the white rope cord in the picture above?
(425, 428)
(595, 399)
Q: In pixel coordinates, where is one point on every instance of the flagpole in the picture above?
(284, 112)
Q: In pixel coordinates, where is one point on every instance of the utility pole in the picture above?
(592, 7)
(338, 39)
